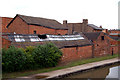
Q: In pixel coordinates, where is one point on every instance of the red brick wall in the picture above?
(18, 26)
(5, 21)
(101, 47)
(43, 30)
(62, 32)
(80, 27)
(5, 43)
(114, 31)
(113, 45)
(40, 30)
(76, 53)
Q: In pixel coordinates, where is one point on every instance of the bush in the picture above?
(13, 59)
(47, 55)
(29, 57)
(16, 59)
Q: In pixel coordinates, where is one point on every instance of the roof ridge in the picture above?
(36, 17)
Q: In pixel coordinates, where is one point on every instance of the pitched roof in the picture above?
(49, 23)
(72, 43)
(114, 37)
(92, 35)
(95, 27)
(59, 40)
(115, 30)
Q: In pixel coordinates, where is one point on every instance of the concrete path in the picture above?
(66, 71)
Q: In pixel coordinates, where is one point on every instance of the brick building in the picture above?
(114, 44)
(74, 47)
(88, 40)
(4, 22)
(114, 31)
(34, 25)
(114, 38)
(101, 43)
(81, 27)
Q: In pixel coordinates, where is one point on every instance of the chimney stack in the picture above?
(65, 23)
(84, 25)
(85, 21)
(100, 26)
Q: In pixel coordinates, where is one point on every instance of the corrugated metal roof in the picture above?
(60, 41)
(36, 38)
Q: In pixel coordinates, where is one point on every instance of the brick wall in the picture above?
(40, 30)
(101, 47)
(18, 26)
(5, 43)
(80, 27)
(62, 32)
(5, 21)
(114, 31)
(113, 45)
(43, 30)
(76, 53)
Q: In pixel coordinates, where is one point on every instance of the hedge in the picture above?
(41, 56)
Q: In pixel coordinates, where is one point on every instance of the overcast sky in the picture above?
(98, 12)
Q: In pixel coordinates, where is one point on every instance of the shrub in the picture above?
(16, 59)
(13, 59)
(47, 55)
(29, 57)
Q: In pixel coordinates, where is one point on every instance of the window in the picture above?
(34, 32)
(102, 37)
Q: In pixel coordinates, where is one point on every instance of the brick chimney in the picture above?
(84, 25)
(65, 23)
(106, 30)
(100, 26)
(85, 21)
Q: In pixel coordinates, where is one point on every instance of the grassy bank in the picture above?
(80, 62)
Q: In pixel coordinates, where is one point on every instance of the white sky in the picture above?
(98, 12)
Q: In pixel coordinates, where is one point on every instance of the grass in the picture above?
(75, 63)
